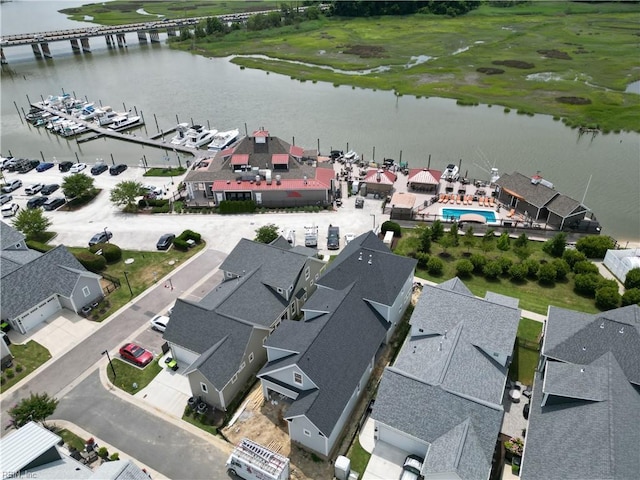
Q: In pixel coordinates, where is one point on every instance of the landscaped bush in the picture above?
(152, 202)
(111, 253)
(190, 235)
(478, 261)
(555, 246)
(504, 242)
(505, 263)
(464, 268)
(532, 267)
(237, 206)
(114, 457)
(631, 297)
(423, 259)
(587, 283)
(91, 261)
(393, 227)
(492, 269)
(103, 452)
(585, 266)
(180, 244)
(547, 273)
(595, 246)
(437, 230)
(435, 266)
(572, 257)
(632, 280)
(518, 272)
(161, 209)
(562, 269)
(607, 298)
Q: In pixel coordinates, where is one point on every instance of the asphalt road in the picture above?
(172, 451)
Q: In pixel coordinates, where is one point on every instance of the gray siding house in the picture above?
(321, 365)
(220, 338)
(36, 285)
(585, 409)
(442, 398)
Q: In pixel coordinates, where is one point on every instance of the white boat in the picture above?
(125, 122)
(450, 173)
(222, 140)
(181, 134)
(89, 112)
(197, 136)
(107, 118)
(351, 156)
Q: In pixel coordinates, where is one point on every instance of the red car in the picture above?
(136, 354)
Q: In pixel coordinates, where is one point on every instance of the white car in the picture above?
(349, 237)
(77, 167)
(152, 190)
(10, 209)
(159, 323)
(33, 189)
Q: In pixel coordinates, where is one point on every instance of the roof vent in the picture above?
(278, 179)
(621, 330)
(369, 262)
(584, 349)
(440, 347)
(258, 178)
(360, 257)
(304, 179)
(445, 333)
(582, 370)
(602, 325)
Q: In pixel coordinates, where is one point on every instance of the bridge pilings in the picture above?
(36, 50)
(75, 46)
(142, 36)
(86, 48)
(46, 53)
(122, 41)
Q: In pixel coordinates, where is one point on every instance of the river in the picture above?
(167, 85)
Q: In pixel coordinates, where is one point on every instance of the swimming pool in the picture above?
(448, 214)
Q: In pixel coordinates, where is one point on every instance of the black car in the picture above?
(100, 237)
(36, 202)
(117, 169)
(53, 203)
(49, 189)
(98, 168)
(165, 241)
(65, 166)
(28, 165)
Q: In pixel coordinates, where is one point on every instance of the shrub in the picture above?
(423, 259)
(547, 273)
(464, 268)
(572, 257)
(562, 269)
(161, 209)
(505, 263)
(595, 246)
(607, 298)
(555, 246)
(237, 206)
(435, 266)
(585, 266)
(9, 373)
(632, 280)
(103, 452)
(390, 226)
(180, 244)
(18, 368)
(91, 261)
(437, 230)
(190, 235)
(518, 272)
(630, 297)
(111, 253)
(532, 267)
(114, 457)
(587, 283)
(492, 269)
(504, 242)
(479, 261)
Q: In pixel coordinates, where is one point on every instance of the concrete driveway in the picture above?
(385, 463)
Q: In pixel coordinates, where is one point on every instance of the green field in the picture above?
(576, 53)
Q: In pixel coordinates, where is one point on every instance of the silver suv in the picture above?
(412, 467)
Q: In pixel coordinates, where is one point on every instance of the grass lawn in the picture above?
(359, 457)
(72, 439)
(128, 374)
(27, 357)
(525, 358)
(532, 295)
(196, 422)
(147, 268)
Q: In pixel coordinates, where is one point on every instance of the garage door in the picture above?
(37, 314)
(401, 440)
(183, 355)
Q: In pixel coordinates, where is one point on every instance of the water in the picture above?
(449, 213)
(169, 86)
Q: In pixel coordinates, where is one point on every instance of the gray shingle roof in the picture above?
(538, 195)
(564, 206)
(581, 338)
(461, 433)
(583, 382)
(118, 470)
(9, 236)
(296, 336)
(54, 272)
(582, 439)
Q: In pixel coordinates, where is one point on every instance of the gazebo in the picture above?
(424, 180)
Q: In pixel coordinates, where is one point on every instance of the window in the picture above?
(251, 357)
(203, 387)
(306, 432)
(234, 379)
(307, 273)
(86, 291)
(311, 283)
(297, 378)
(242, 365)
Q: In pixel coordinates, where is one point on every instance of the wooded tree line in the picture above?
(365, 8)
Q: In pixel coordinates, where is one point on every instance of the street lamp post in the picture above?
(374, 221)
(106, 352)
(128, 284)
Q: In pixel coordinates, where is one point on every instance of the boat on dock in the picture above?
(351, 157)
(126, 122)
(197, 136)
(181, 134)
(222, 140)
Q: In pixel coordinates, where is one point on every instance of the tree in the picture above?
(446, 242)
(437, 230)
(632, 280)
(504, 242)
(267, 233)
(31, 222)
(631, 297)
(487, 243)
(595, 246)
(425, 239)
(518, 272)
(547, 273)
(522, 252)
(37, 408)
(492, 269)
(532, 267)
(77, 185)
(479, 261)
(521, 241)
(464, 268)
(125, 193)
(562, 269)
(585, 266)
(469, 239)
(607, 298)
(587, 283)
(453, 233)
(572, 256)
(555, 246)
(435, 266)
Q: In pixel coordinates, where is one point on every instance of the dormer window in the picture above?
(297, 378)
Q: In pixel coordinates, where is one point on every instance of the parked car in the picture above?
(53, 203)
(136, 354)
(159, 323)
(98, 168)
(65, 166)
(9, 163)
(10, 209)
(4, 162)
(27, 165)
(151, 191)
(36, 202)
(359, 202)
(117, 169)
(5, 198)
(33, 189)
(411, 468)
(12, 186)
(49, 189)
(44, 166)
(100, 237)
(165, 241)
(77, 167)
(333, 238)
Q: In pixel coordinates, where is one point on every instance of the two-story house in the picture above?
(442, 398)
(320, 366)
(220, 338)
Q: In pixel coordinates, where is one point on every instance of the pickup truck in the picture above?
(333, 238)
